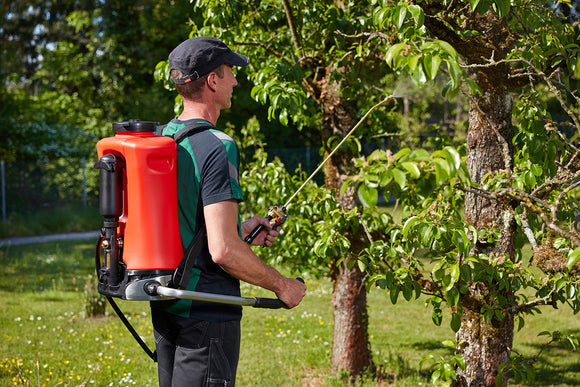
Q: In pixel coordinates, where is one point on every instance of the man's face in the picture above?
(224, 87)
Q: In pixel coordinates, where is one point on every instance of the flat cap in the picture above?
(198, 56)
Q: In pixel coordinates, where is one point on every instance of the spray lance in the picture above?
(278, 213)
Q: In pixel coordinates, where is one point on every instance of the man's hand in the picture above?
(291, 292)
(266, 237)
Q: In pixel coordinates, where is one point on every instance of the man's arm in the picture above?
(238, 259)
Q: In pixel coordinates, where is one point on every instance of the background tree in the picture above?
(76, 67)
(68, 69)
(517, 183)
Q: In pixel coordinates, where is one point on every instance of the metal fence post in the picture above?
(3, 191)
(84, 183)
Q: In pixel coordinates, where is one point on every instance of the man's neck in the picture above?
(198, 110)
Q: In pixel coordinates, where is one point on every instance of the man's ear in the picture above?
(211, 82)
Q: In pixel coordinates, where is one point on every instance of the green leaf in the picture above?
(395, 293)
(408, 224)
(483, 6)
(368, 196)
(408, 290)
(431, 64)
(426, 233)
(499, 379)
(459, 238)
(382, 283)
(400, 178)
(417, 14)
(448, 49)
(412, 168)
(454, 271)
(460, 361)
(380, 17)
(399, 15)
(435, 376)
(437, 317)
(441, 171)
(402, 153)
(503, 7)
(573, 257)
(453, 158)
(454, 73)
(473, 4)
(521, 323)
(452, 296)
(393, 52)
(488, 315)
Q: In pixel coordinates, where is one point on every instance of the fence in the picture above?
(33, 185)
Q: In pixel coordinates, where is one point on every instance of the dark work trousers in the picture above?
(195, 353)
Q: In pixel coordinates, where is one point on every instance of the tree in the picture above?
(516, 177)
(68, 70)
(305, 68)
(74, 66)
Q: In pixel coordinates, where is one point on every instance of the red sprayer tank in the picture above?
(148, 229)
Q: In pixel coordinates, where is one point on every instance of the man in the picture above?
(198, 343)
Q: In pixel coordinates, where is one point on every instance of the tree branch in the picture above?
(292, 26)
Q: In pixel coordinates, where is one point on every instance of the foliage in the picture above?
(269, 183)
(45, 221)
(429, 250)
(542, 185)
(444, 372)
(71, 67)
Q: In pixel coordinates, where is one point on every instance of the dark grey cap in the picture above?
(199, 56)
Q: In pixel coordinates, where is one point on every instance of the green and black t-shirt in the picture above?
(207, 172)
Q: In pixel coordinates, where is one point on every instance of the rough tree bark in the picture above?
(350, 347)
(489, 150)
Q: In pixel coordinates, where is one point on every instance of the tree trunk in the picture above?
(350, 347)
(489, 150)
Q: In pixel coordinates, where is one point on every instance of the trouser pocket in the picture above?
(219, 369)
(190, 367)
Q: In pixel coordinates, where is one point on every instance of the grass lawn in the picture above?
(45, 339)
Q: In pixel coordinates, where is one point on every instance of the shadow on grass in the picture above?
(553, 367)
(396, 367)
(431, 345)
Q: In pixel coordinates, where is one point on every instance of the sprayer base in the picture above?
(131, 287)
(135, 291)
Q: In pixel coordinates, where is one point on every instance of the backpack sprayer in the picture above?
(140, 239)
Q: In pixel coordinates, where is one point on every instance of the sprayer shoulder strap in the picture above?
(187, 130)
(182, 272)
(191, 129)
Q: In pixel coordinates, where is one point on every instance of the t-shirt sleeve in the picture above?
(220, 171)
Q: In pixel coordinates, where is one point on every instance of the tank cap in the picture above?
(134, 126)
